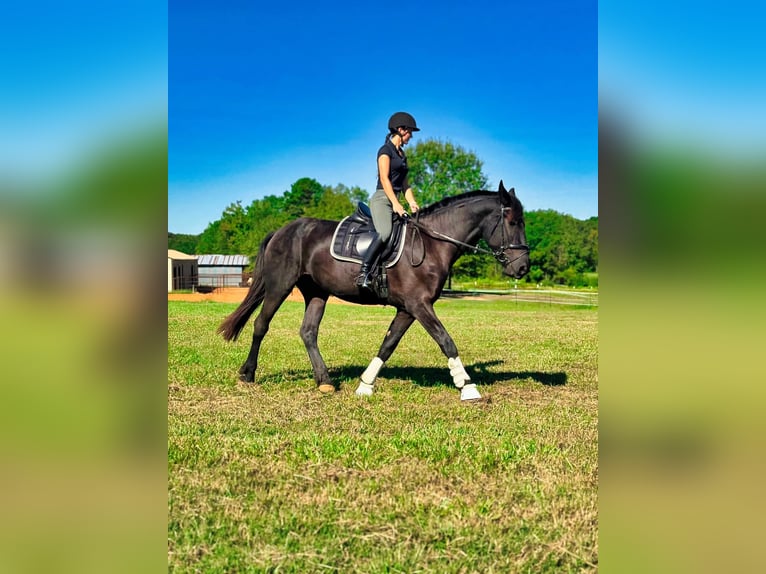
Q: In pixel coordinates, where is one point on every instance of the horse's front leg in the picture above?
(424, 312)
(396, 331)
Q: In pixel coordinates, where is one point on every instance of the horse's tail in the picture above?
(234, 323)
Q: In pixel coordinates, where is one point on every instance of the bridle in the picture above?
(498, 254)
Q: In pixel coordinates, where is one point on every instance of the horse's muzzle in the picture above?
(521, 271)
(514, 258)
(517, 267)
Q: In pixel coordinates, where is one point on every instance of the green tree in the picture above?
(234, 227)
(590, 251)
(476, 265)
(336, 202)
(303, 195)
(264, 216)
(225, 235)
(439, 170)
(211, 240)
(562, 248)
(183, 242)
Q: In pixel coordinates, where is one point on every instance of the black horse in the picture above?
(298, 254)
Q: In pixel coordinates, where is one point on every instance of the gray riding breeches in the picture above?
(382, 214)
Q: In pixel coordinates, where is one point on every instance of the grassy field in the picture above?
(275, 477)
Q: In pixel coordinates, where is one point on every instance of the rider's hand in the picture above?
(399, 209)
(414, 207)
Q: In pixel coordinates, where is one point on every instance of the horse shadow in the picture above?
(427, 376)
(439, 376)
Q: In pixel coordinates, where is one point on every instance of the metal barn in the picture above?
(222, 270)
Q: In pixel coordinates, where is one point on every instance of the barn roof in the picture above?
(224, 260)
(178, 255)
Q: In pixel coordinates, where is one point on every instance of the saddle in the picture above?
(353, 236)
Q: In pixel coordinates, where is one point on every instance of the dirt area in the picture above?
(235, 295)
(224, 295)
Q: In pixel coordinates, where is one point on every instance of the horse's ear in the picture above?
(505, 198)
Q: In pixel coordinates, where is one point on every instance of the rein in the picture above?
(498, 254)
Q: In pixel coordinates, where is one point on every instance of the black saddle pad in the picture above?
(353, 235)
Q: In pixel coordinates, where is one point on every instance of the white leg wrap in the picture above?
(367, 382)
(456, 369)
(371, 372)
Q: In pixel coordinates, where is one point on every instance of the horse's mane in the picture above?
(454, 199)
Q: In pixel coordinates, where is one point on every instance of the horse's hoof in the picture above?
(245, 378)
(326, 389)
(469, 393)
(364, 390)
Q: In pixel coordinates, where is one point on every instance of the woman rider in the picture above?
(392, 180)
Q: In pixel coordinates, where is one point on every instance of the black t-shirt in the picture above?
(398, 171)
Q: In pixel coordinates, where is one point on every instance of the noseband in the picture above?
(498, 253)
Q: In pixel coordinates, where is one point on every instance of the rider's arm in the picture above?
(410, 197)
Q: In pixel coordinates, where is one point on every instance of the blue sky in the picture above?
(257, 99)
(262, 94)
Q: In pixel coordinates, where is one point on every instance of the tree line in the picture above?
(563, 249)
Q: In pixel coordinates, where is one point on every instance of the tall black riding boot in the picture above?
(364, 280)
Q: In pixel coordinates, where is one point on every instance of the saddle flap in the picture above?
(353, 236)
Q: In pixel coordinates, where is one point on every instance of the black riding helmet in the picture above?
(402, 120)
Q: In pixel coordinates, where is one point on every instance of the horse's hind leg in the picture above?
(396, 331)
(315, 307)
(270, 306)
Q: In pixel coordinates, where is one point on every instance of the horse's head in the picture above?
(507, 238)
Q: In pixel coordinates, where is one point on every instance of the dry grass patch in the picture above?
(277, 477)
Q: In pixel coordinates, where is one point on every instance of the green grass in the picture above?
(275, 477)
